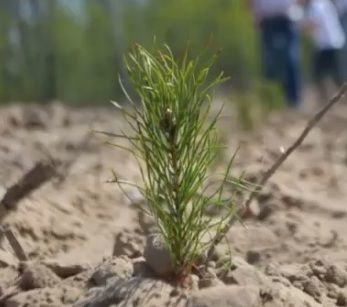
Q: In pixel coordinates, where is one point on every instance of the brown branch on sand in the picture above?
(40, 173)
(244, 211)
(17, 248)
(30, 181)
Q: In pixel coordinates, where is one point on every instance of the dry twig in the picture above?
(17, 248)
(32, 180)
(269, 173)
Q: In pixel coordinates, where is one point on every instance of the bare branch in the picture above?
(269, 173)
(30, 181)
(17, 248)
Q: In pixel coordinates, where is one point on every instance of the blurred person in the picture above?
(321, 22)
(279, 44)
(341, 6)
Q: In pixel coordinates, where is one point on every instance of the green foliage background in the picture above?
(74, 53)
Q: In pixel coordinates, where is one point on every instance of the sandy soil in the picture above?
(296, 243)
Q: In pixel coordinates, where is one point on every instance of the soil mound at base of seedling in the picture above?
(85, 245)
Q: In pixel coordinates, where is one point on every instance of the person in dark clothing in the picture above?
(341, 6)
(279, 44)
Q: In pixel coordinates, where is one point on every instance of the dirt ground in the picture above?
(293, 252)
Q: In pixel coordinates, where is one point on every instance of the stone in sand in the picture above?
(158, 257)
(38, 276)
(112, 267)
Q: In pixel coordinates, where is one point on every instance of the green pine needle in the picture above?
(175, 144)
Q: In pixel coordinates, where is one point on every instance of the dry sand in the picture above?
(293, 253)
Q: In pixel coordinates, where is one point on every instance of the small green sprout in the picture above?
(174, 141)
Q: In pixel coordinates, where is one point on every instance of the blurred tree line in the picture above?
(72, 50)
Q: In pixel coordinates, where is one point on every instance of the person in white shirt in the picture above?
(322, 23)
(279, 45)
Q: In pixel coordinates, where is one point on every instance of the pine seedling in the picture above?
(174, 141)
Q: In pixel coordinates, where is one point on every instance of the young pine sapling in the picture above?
(174, 141)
